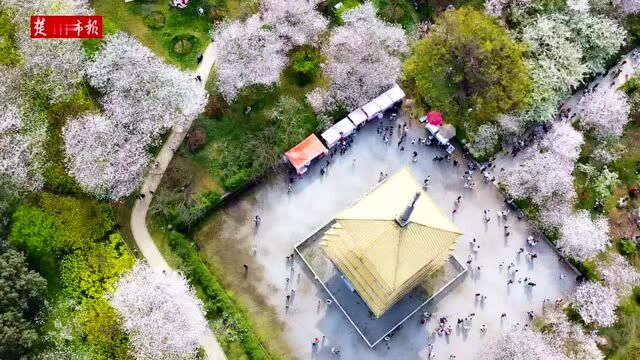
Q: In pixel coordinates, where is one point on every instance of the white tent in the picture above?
(357, 117)
(395, 93)
(384, 101)
(371, 109)
(331, 136)
(344, 127)
(341, 129)
(435, 131)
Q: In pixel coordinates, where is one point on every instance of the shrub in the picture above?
(182, 45)
(627, 247)
(587, 269)
(197, 139)
(34, 231)
(154, 20)
(305, 63)
(218, 303)
(237, 180)
(91, 272)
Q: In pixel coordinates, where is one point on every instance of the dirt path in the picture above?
(139, 214)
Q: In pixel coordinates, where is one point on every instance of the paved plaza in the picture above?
(289, 218)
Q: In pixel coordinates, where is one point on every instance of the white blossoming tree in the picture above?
(605, 111)
(296, 21)
(569, 338)
(107, 153)
(583, 238)
(545, 173)
(540, 176)
(485, 141)
(596, 304)
(22, 133)
(103, 157)
(564, 141)
(248, 53)
(62, 61)
(630, 6)
(145, 95)
(618, 274)
(520, 344)
(161, 313)
(362, 60)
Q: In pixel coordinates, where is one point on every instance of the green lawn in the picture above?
(160, 27)
(624, 337)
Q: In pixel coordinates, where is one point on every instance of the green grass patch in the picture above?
(243, 145)
(624, 336)
(142, 20)
(586, 268)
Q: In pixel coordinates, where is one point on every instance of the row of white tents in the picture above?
(360, 116)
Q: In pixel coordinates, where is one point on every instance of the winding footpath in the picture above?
(139, 214)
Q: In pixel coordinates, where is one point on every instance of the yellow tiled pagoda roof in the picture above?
(383, 260)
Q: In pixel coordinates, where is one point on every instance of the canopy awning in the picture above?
(435, 131)
(301, 155)
(395, 93)
(341, 129)
(434, 118)
(384, 102)
(357, 117)
(344, 127)
(371, 109)
(331, 136)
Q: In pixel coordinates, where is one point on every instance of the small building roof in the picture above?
(300, 156)
(395, 93)
(383, 257)
(358, 117)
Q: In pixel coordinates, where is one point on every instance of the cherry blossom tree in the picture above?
(630, 7)
(363, 60)
(117, 72)
(569, 338)
(67, 70)
(564, 141)
(618, 274)
(596, 304)
(106, 160)
(520, 344)
(497, 8)
(247, 53)
(540, 176)
(485, 141)
(583, 238)
(22, 133)
(605, 111)
(161, 313)
(296, 21)
(107, 153)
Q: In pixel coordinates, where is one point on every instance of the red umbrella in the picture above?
(434, 118)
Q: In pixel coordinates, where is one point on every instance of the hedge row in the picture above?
(218, 303)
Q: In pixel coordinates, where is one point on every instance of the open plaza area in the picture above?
(288, 218)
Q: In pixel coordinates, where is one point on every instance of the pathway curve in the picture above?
(628, 65)
(141, 235)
